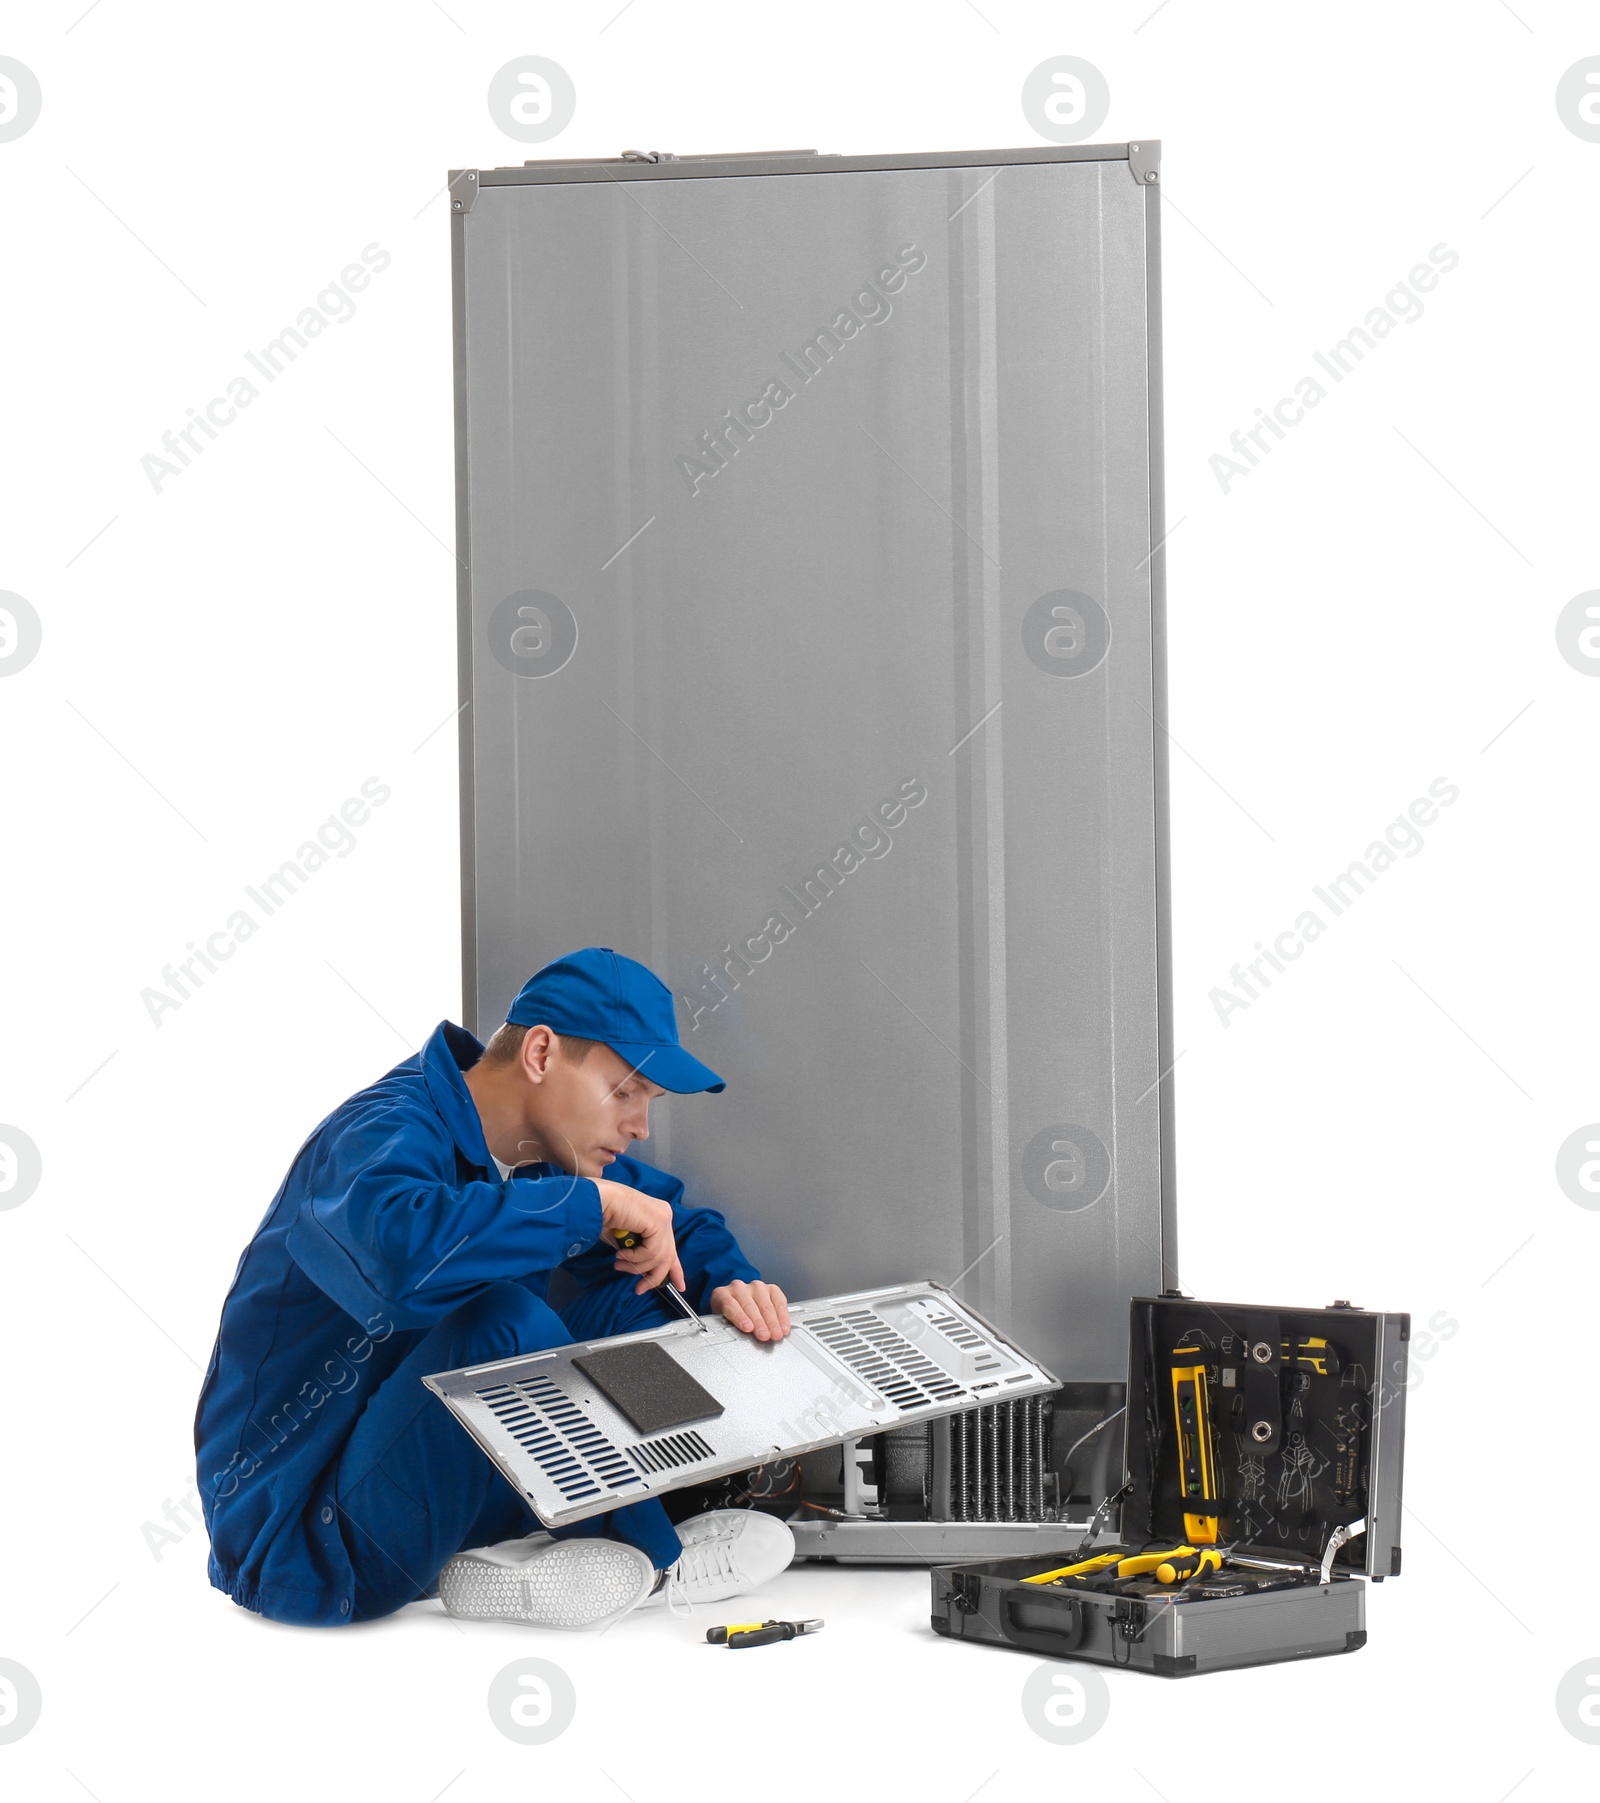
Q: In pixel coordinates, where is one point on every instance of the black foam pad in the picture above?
(650, 1387)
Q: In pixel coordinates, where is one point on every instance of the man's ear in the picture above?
(538, 1047)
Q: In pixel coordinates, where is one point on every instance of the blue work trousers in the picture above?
(413, 1488)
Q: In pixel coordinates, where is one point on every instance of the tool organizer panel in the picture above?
(1264, 1456)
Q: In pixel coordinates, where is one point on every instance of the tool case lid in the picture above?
(1307, 1427)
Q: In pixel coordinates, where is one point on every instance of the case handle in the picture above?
(1043, 1640)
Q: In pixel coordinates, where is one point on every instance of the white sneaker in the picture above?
(725, 1553)
(546, 1582)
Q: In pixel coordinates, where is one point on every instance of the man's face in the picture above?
(589, 1113)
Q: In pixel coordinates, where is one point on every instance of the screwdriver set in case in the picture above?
(1262, 1484)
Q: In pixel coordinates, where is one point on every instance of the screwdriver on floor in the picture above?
(760, 1633)
(627, 1239)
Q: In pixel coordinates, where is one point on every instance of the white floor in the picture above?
(166, 1690)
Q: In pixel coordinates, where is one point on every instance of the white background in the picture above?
(224, 662)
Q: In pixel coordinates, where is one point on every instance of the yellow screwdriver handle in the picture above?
(1175, 1568)
(1140, 1563)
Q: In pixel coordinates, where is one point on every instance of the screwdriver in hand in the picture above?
(627, 1239)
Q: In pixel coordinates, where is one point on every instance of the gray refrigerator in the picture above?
(809, 517)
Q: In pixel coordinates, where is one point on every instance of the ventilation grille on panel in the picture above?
(969, 1339)
(888, 1361)
(571, 1451)
(685, 1448)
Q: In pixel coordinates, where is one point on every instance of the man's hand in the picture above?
(626, 1210)
(758, 1308)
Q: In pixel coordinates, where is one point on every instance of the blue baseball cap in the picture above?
(599, 994)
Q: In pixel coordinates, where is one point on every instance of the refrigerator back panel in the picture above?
(811, 652)
(586, 1428)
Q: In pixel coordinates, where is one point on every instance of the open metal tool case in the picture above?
(1274, 1436)
(585, 1428)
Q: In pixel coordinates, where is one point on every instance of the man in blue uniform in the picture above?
(418, 1230)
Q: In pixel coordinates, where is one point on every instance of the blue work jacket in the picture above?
(392, 1214)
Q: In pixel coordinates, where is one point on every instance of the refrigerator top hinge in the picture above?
(1144, 161)
(463, 189)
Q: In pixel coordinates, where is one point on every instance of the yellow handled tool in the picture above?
(1129, 1565)
(1196, 1473)
(1313, 1352)
(761, 1633)
(1179, 1569)
(1140, 1564)
(627, 1239)
(1081, 1569)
